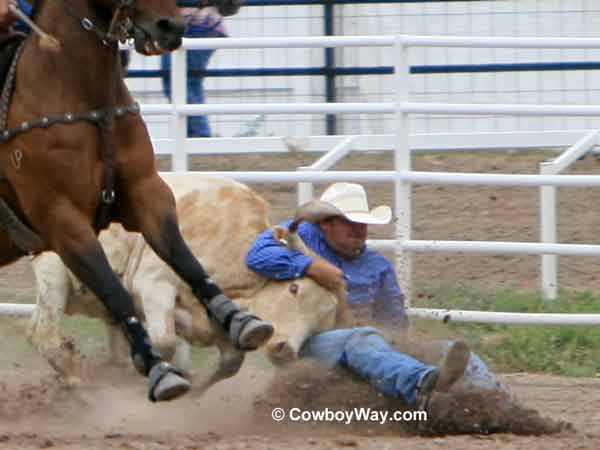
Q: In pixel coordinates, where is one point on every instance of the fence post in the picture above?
(402, 163)
(178, 120)
(305, 190)
(549, 281)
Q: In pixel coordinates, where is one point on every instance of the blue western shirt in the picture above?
(27, 9)
(370, 278)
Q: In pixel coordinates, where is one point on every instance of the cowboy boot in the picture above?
(443, 378)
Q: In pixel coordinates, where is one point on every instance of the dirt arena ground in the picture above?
(36, 411)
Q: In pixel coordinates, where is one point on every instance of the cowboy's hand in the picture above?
(326, 274)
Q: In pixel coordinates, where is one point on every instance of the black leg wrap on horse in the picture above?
(222, 309)
(246, 331)
(207, 291)
(143, 354)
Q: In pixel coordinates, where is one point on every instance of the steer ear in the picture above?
(313, 211)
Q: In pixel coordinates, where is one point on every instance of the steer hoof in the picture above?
(167, 383)
(280, 353)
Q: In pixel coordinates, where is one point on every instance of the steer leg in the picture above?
(229, 364)
(157, 221)
(118, 347)
(43, 331)
(76, 243)
(158, 300)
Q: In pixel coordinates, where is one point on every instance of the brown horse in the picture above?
(76, 155)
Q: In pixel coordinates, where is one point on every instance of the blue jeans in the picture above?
(365, 352)
(197, 126)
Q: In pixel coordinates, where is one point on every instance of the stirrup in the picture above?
(248, 332)
(167, 382)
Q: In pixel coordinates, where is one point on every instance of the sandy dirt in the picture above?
(111, 411)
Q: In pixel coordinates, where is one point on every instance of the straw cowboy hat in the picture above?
(344, 199)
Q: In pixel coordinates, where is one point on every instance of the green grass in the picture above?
(564, 350)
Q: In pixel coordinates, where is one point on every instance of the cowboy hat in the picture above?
(344, 199)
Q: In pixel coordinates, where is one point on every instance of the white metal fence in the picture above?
(402, 177)
(516, 18)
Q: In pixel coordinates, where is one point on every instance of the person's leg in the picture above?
(165, 66)
(365, 352)
(478, 376)
(327, 347)
(390, 372)
(197, 126)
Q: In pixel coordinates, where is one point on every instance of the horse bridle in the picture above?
(119, 29)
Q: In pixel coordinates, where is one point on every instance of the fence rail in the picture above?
(402, 176)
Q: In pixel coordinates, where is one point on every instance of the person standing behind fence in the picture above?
(200, 22)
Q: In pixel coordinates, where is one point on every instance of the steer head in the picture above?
(291, 239)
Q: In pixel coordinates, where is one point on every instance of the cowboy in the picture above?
(341, 218)
(339, 238)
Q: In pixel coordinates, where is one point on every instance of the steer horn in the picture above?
(313, 211)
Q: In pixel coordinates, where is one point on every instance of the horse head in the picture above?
(155, 26)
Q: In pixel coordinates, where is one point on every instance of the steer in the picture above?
(219, 219)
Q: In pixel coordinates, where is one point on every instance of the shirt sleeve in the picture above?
(27, 9)
(390, 300)
(271, 259)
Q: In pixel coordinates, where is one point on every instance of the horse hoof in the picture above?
(254, 333)
(167, 383)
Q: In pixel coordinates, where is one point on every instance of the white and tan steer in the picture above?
(219, 219)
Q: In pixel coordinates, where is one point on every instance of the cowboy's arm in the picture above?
(390, 300)
(271, 259)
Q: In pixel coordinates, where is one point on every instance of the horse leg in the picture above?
(81, 252)
(43, 331)
(156, 218)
